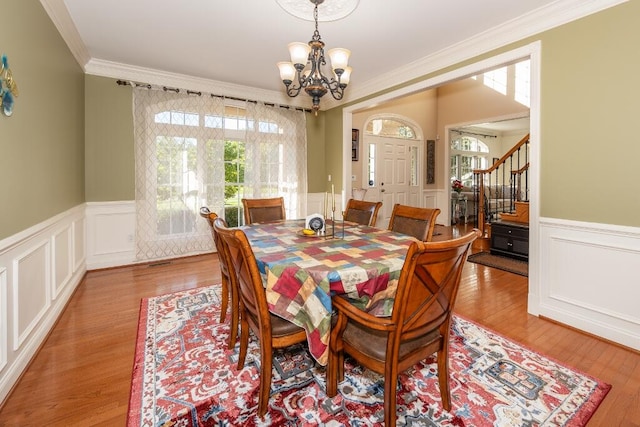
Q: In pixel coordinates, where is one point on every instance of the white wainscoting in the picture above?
(40, 267)
(430, 199)
(111, 230)
(589, 278)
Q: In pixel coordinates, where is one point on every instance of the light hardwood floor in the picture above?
(81, 375)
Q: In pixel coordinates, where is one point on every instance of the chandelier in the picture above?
(305, 68)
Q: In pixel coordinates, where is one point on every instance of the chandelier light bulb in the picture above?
(346, 76)
(339, 58)
(287, 71)
(299, 52)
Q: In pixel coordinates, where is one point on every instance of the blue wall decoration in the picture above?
(8, 87)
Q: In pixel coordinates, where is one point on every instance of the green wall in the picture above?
(590, 97)
(42, 143)
(109, 154)
(590, 89)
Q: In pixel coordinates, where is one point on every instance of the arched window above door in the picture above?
(390, 128)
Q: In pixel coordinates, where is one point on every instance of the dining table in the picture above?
(301, 273)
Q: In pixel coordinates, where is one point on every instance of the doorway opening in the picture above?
(441, 189)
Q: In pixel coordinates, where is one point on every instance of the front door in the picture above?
(392, 174)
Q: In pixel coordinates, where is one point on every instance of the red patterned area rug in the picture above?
(184, 375)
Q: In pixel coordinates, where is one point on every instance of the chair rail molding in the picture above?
(588, 278)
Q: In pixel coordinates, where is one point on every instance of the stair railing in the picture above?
(510, 172)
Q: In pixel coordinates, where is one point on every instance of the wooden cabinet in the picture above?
(510, 239)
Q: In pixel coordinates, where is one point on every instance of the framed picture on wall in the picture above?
(431, 162)
(355, 144)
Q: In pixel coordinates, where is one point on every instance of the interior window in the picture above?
(467, 153)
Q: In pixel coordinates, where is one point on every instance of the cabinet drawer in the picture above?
(507, 230)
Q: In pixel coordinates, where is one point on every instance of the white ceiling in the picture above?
(238, 42)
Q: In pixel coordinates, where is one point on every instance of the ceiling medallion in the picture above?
(332, 10)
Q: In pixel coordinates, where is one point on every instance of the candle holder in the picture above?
(333, 222)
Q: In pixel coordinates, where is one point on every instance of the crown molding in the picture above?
(60, 17)
(151, 76)
(545, 18)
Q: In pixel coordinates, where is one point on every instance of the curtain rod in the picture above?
(472, 133)
(192, 92)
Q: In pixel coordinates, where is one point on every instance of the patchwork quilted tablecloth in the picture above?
(301, 273)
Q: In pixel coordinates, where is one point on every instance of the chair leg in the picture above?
(390, 389)
(443, 378)
(266, 365)
(235, 314)
(225, 299)
(332, 373)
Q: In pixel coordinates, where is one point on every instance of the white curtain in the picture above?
(276, 163)
(184, 159)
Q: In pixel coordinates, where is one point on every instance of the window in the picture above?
(513, 81)
(523, 82)
(390, 128)
(372, 165)
(467, 153)
(413, 162)
(207, 151)
(497, 80)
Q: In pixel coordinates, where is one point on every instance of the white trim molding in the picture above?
(588, 278)
(40, 268)
(110, 234)
(4, 338)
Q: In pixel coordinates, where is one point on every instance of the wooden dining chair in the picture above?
(418, 327)
(272, 331)
(365, 213)
(263, 210)
(228, 277)
(414, 221)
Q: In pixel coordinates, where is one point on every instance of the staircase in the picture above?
(521, 213)
(510, 172)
